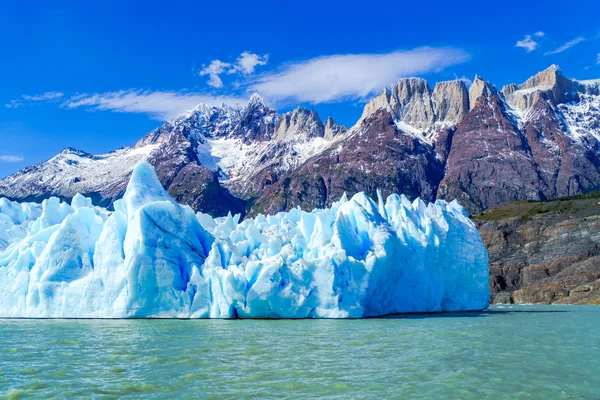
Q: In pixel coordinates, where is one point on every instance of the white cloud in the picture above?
(214, 69)
(11, 158)
(351, 76)
(13, 104)
(528, 43)
(598, 59)
(246, 63)
(566, 46)
(47, 96)
(539, 34)
(159, 105)
(44, 96)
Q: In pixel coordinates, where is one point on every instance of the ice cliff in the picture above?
(152, 257)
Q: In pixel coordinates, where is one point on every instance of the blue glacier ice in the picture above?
(152, 257)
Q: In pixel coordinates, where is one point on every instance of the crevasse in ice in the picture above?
(152, 257)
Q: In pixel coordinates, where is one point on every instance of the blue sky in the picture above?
(99, 75)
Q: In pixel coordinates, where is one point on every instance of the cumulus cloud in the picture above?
(245, 64)
(566, 46)
(9, 158)
(528, 43)
(350, 76)
(214, 69)
(159, 105)
(539, 34)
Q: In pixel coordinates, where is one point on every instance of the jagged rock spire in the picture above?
(479, 88)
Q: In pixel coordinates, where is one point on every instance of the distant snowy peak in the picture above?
(238, 142)
(254, 121)
(74, 171)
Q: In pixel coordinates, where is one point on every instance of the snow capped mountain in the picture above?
(73, 171)
(227, 146)
(243, 144)
(535, 140)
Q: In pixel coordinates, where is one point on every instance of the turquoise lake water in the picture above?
(506, 352)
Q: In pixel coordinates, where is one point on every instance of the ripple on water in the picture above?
(554, 349)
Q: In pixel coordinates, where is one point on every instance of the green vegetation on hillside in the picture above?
(581, 206)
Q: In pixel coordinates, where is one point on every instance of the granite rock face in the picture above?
(544, 252)
(300, 124)
(480, 88)
(414, 104)
(332, 129)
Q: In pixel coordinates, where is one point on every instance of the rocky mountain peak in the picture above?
(382, 101)
(71, 150)
(417, 109)
(407, 88)
(253, 121)
(550, 84)
(299, 124)
(479, 88)
(256, 101)
(333, 129)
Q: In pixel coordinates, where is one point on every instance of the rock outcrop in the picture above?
(544, 252)
(549, 84)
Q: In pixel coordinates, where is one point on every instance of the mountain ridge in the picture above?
(536, 140)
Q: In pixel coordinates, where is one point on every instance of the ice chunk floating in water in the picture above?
(152, 257)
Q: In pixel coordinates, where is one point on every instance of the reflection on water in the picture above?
(506, 352)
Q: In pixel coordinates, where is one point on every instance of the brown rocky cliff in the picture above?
(544, 252)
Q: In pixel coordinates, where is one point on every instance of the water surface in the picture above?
(506, 352)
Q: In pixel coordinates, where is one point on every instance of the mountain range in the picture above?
(537, 140)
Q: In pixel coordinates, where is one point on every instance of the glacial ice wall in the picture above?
(152, 257)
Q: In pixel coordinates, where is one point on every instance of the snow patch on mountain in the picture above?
(582, 118)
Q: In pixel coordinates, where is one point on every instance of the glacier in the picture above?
(154, 258)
